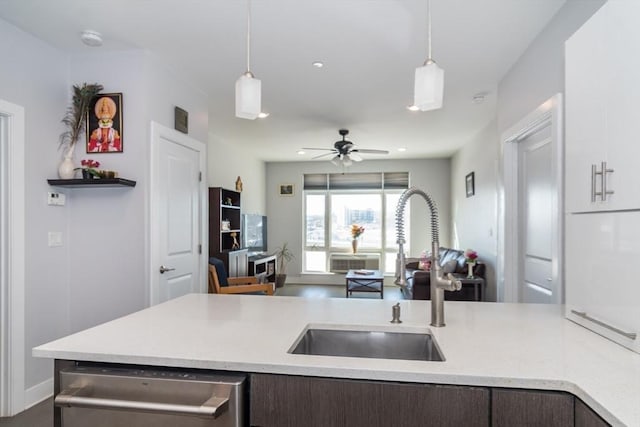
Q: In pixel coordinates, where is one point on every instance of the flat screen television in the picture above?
(254, 232)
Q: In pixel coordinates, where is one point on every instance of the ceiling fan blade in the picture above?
(370, 151)
(323, 155)
(355, 156)
(320, 149)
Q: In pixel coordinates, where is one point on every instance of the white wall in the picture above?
(285, 213)
(475, 218)
(99, 272)
(228, 160)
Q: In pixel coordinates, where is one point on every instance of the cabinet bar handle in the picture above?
(594, 172)
(584, 315)
(604, 172)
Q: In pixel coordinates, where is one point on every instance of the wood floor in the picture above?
(41, 415)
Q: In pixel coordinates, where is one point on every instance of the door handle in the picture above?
(164, 269)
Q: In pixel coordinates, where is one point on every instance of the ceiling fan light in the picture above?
(336, 160)
(429, 87)
(248, 97)
(346, 160)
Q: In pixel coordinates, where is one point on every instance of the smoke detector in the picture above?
(91, 38)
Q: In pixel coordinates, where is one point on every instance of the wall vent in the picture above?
(341, 263)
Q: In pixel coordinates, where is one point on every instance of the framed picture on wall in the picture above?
(104, 124)
(286, 189)
(470, 184)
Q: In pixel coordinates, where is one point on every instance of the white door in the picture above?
(537, 192)
(530, 225)
(178, 264)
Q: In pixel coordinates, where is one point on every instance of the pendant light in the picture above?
(248, 88)
(429, 80)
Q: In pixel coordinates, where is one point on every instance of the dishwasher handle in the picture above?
(213, 407)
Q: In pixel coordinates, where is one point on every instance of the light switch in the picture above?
(55, 238)
(55, 199)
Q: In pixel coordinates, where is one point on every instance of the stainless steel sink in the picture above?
(366, 343)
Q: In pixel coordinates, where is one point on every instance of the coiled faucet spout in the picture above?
(438, 283)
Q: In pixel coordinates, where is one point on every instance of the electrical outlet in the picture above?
(55, 239)
(56, 199)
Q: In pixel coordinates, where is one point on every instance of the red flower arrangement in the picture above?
(89, 168)
(470, 256)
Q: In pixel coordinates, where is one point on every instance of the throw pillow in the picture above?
(425, 265)
(450, 266)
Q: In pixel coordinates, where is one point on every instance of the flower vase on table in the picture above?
(470, 270)
(354, 245)
(470, 257)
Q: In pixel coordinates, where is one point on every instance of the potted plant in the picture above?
(75, 119)
(284, 256)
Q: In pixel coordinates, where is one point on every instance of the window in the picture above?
(333, 202)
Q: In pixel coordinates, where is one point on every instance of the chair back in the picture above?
(217, 275)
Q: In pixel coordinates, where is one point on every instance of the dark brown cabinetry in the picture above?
(281, 400)
(224, 230)
(585, 417)
(526, 408)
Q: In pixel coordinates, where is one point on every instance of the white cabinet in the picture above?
(603, 111)
(602, 181)
(602, 283)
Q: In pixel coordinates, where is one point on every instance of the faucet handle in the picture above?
(456, 284)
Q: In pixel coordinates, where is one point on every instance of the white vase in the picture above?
(66, 170)
(470, 271)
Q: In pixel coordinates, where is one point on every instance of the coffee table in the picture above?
(364, 281)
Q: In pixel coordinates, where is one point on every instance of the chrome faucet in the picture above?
(438, 283)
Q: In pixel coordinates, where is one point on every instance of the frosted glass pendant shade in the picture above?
(429, 87)
(248, 97)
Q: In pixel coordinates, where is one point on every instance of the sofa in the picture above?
(451, 261)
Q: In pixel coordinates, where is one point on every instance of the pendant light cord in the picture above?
(429, 31)
(248, 36)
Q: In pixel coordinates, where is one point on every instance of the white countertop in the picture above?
(487, 344)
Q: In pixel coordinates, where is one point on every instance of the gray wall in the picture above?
(99, 273)
(475, 219)
(285, 213)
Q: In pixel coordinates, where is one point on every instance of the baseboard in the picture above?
(38, 393)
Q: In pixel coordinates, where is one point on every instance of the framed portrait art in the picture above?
(104, 124)
(286, 189)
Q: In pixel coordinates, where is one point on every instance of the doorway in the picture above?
(12, 259)
(531, 241)
(178, 223)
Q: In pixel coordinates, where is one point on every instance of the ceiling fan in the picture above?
(344, 152)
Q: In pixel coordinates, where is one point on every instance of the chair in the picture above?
(220, 283)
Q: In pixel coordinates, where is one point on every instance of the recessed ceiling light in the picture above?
(413, 108)
(263, 115)
(318, 64)
(91, 38)
(301, 152)
(402, 149)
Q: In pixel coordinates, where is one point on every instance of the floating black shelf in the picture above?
(84, 183)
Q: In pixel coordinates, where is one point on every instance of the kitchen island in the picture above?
(484, 344)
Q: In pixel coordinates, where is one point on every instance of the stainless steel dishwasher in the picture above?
(114, 397)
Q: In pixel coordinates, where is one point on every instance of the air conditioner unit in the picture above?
(341, 263)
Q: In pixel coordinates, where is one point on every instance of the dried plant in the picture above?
(76, 115)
